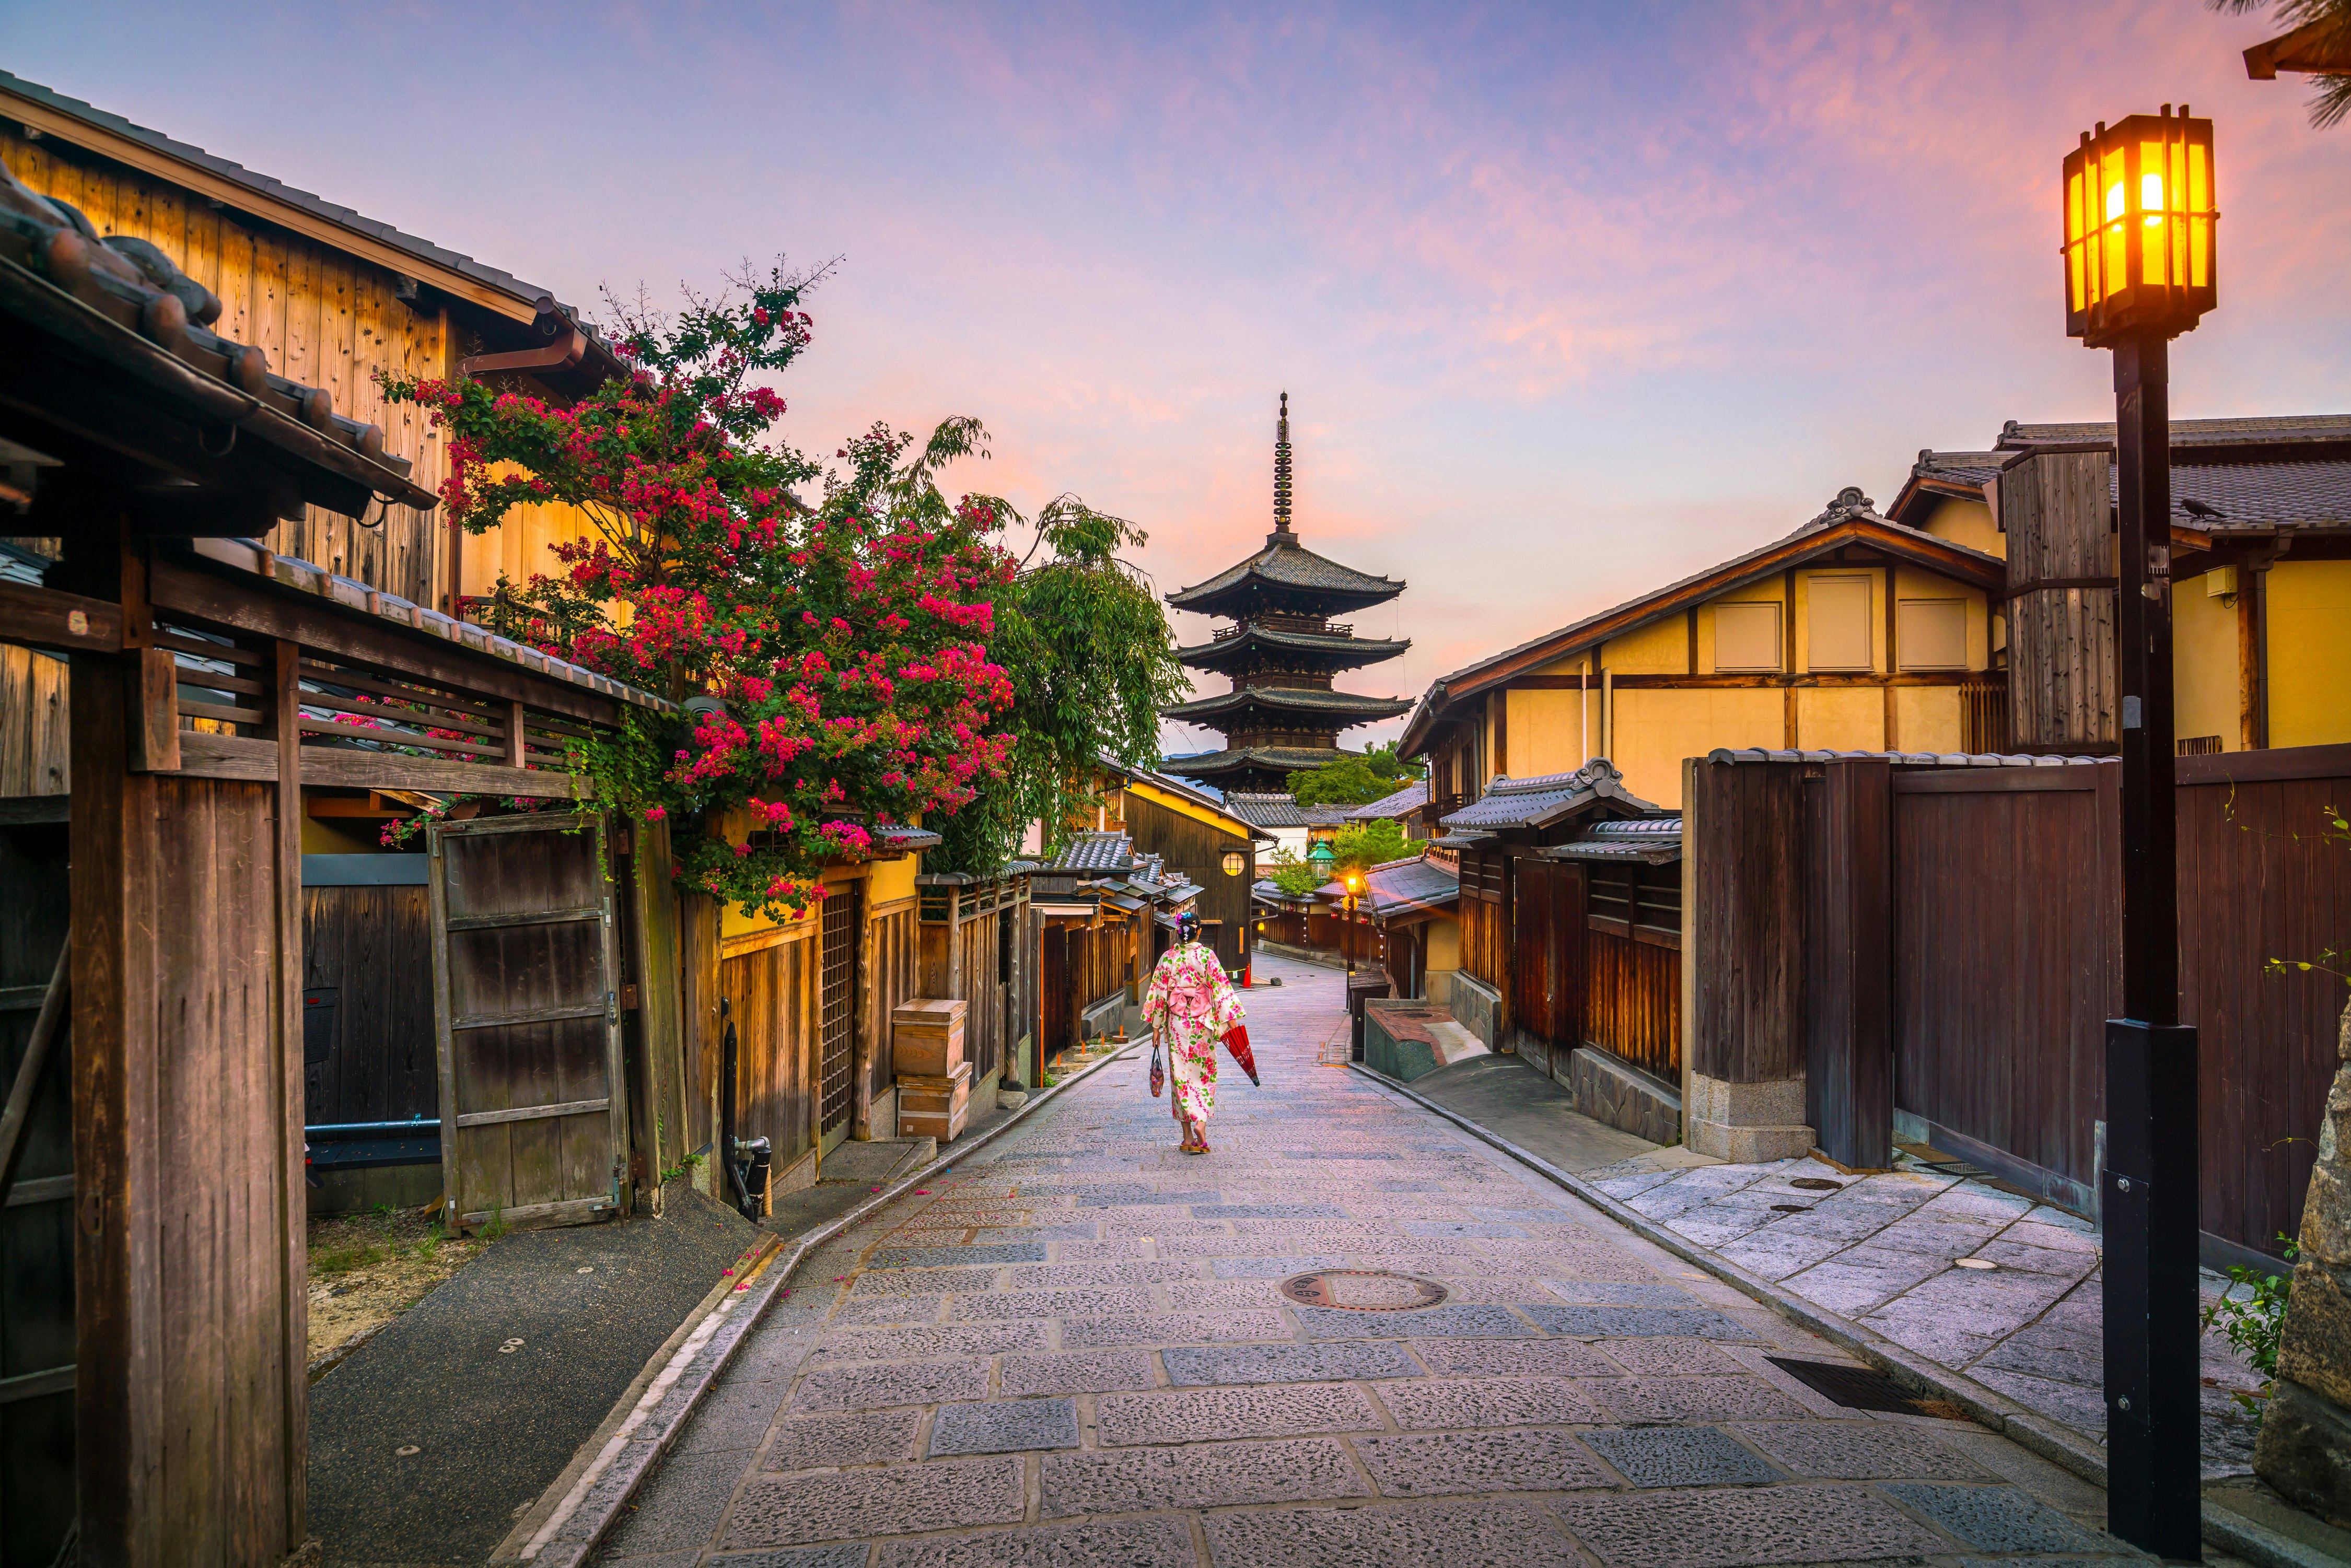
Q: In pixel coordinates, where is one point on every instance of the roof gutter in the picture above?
(568, 349)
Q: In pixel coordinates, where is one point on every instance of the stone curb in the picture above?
(681, 1373)
(2050, 1440)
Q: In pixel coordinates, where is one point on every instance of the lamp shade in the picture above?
(1235, 862)
(1320, 854)
(2140, 217)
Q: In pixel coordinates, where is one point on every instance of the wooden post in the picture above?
(514, 737)
(2061, 605)
(292, 1216)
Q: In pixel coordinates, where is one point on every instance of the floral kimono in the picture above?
(1189, 1006)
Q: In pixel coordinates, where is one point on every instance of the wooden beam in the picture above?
(1692, 615)
(60, 623)
(237, 757)
(371, 644)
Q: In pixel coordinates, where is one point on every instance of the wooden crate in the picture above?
(934, 1105)
(927, 1038)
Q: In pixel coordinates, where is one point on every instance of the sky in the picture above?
(1570, 301)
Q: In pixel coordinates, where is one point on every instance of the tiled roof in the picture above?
(1404, 802)
(1725, 755)
(898, 838)
(1357, 708)
(2304, 492)
(1102, 852)
(1403, 885)
(278, 191)
(2253, 430)
(1327, 816)
(1274, 759)
(1651, 840)
(1530, 803)
(1336, 650)
(1262, 811)
(1288, 565)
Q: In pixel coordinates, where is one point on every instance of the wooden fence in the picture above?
(969, 948)
(1998, 893)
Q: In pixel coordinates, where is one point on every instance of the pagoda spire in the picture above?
(1281, 534)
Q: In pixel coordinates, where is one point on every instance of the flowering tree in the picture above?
(844, 636)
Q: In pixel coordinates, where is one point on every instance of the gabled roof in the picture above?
(1535, 803)
(1387, 808)
(1191, 794)
(1330, 650)
(1406, 886)
(1290, 570)
(1265, 810)
(1327, 816)
(1312, 701)
(86, 125)
(1849, 519)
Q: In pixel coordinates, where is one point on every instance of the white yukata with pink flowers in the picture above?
(1190, 1006)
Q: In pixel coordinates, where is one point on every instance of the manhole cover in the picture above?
(1817, 1183)
(1363, 1290)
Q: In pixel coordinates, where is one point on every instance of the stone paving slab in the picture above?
(1109, 1375)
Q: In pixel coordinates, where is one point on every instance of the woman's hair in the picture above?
(1187, 927)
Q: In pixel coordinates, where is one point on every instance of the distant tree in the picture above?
(1361, 845)
(2330, 94)
(1353, 780)
(1294, 876)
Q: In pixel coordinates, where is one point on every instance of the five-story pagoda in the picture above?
(1280, 652)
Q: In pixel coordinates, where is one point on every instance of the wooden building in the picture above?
(1853, 632)
(1280, 652)
(152, 1297)
(1199, 840)
(2261, 563)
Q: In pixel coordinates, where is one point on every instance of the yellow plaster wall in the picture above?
(1967, 523)
(1926, 719)
(1656, 728)
(1909, 582)
(889, 881)
(1547, 732)
(1840, 718)
(1662, 649)
(361, 838)
(2310, 652)
(2207, 695)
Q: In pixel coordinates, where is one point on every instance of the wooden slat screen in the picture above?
(836, 1004)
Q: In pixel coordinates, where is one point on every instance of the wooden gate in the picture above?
(1632, 975)
(534, 1103)
(1547, 966)
(837, 1014)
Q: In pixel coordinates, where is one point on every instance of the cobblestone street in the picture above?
(1074, 1349)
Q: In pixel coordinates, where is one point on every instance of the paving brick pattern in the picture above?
(1069, 1351)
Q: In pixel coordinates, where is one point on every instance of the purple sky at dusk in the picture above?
(1570, 301)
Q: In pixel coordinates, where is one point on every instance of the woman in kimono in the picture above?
(1190, 1006)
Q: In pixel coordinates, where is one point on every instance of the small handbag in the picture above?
(1158, 1073)
(1236, 1041)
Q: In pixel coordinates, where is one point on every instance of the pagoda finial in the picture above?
(1281, 533)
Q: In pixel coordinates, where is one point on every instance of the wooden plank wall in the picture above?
(2008, 955)
(1195, 851)
(1747, 923)
(1848, 974)
(37, 1235)
(1633, 1002)
(324, 320)
(373, 945)
(770, 991)
(2056, 513)
(1547, 978)
(34, 732)
(2259, 878)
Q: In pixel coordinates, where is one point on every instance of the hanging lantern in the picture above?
(2139, 219)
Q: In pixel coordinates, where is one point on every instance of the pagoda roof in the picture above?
(1286, 570)
(1333, 650)
(1348, 706)
(1249, 760)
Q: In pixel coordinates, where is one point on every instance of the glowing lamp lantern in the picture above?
(1321, 857)
(1235, 862)
(2140, 220)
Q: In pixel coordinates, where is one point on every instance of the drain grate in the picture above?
(1364, 1291)
(1862, 1388)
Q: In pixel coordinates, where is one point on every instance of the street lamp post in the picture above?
(2138, 271)
(1347, 932)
